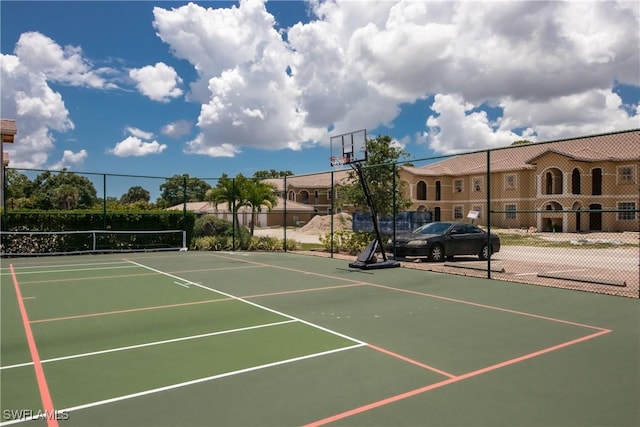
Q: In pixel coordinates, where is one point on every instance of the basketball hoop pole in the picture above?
(374, 215)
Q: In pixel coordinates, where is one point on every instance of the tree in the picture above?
(231, 191)
(55, 191)
(135, 194)
(263, 174)
(259, 194)
(172, 191)
(66, 197)
(19, 189)
(378, 172)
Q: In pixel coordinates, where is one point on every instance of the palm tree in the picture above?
(231, 191)
(259, 194)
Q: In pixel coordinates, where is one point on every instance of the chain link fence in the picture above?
(567, 213)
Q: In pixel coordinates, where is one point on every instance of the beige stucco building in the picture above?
(545, 185)
(574, 185)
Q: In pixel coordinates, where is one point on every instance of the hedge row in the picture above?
(37, 221)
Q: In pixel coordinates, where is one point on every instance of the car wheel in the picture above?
(484, 252)
(436, 253)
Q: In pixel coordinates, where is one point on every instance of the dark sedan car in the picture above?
(438, 240)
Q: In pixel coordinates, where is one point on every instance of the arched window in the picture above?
(596, 182)
(575, 181)
(304, 197)
(553, 181)
(421, 190)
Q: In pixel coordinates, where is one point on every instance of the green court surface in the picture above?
(281, 339)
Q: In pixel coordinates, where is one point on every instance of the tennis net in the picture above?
(36, 243)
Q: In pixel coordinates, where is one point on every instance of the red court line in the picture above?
(45, 395)
(75, 279)
(131, 310)
(401, 396)
(158, 307)
(413, 362)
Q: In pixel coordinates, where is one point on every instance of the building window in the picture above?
(457, 186)
(477, 184)
(596, 182)
(304, 197)
(315, 194)
(553, 181)
(438, 190)
(575, 181)
(421, 191)
(511, 211)
(457, 212)
(479, 210)
(629, 208)
(292, 195)
(510, 182)
(626, 175)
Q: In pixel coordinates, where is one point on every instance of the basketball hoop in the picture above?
(339, 160)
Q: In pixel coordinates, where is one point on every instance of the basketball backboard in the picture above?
(349, 148)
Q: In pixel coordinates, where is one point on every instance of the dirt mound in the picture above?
(321, 224)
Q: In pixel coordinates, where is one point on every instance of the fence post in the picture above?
(284, 210)
(333, 193)
(489, 245)
(104, 201)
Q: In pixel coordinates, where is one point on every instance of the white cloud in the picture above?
(70, 158)
(158, 82)
(457, 128)
(27, 97)
(40, 54)
(200, 146)
(354, 63)
(177, 129)
(133, 146)
(139, 133)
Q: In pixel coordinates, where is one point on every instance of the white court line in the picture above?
(313, 325)
(150, 344)
(211, 378)
(181, 284)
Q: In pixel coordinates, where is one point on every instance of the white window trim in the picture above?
(508, 211)
(635, 207)
(480, 183)
(461, 185)
(461, 207)
(634, 174)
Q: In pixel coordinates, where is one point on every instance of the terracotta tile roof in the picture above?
(8, 126)
(207, 207)
(319, 180)
(619, 146)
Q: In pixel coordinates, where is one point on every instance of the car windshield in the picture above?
(433, 228)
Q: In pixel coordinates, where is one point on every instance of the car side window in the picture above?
(458, 229)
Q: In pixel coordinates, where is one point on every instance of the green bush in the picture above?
(211, 225)
(255, 243)
(346, 241)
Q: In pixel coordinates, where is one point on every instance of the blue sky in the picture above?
(161, 88)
